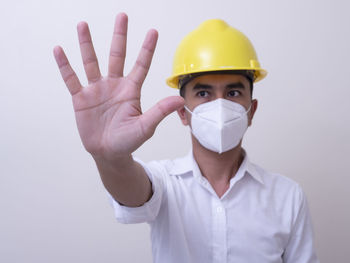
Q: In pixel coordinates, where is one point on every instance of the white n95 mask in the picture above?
(219, 125)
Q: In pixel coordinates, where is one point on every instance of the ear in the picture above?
(183, 116)
(252, 111)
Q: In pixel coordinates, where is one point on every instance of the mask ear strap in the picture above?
(187, 109)
(248, 108)
(189, 126)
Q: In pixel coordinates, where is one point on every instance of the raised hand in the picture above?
(108, 112)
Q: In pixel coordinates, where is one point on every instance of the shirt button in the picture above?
(219, 209)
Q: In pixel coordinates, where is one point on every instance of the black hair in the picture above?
(249, 74)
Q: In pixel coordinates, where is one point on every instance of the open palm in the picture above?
(108, 112)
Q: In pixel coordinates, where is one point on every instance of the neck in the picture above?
(217, 168)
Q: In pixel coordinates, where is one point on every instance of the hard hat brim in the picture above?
(259, 74)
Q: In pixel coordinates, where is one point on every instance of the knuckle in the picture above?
(148, 49)
(69, 77)
(94, 79)
(135, 82)
(161, 108)
(89, 61)
(142, 64)
(119, 34)
(85, 42)
(117, 54)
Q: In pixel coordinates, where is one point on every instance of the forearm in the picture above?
(125, 180)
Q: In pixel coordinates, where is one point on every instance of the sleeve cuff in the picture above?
(149, 210)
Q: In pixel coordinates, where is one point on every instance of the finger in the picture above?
(68, 74)
(144, 59)
(88, 53)
(118, 47)
(151, 118)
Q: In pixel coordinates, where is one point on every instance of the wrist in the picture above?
(115, 161)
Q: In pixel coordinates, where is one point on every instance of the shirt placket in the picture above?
(219, 231)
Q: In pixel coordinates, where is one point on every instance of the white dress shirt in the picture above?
(262, 217)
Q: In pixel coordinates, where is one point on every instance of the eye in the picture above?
(233, 93)
(203, 94)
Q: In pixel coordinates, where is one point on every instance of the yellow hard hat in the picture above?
(214, 46)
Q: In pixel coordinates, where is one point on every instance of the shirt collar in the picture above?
(182, 165)
(188, 164)
(249, 168)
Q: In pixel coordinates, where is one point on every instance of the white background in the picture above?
(53, 207)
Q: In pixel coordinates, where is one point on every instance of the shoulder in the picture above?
(177, 166)
(170, 167)
(281, 186)
(273, 178)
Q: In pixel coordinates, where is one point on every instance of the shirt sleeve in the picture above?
(300, 247)
(149, 210)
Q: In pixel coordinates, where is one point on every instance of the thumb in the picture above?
(151, 118)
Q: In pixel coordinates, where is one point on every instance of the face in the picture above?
(210, 87)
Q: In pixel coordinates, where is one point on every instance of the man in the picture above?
(213, 205)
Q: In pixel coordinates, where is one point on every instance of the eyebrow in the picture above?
(234, 85)
(202, 86)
